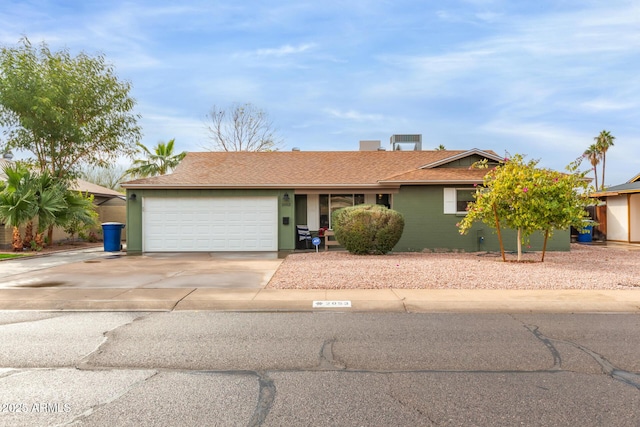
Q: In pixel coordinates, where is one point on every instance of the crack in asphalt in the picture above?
(630, 378)
(327, 361)
(423, 414)
(266, 397)
(83, 363)
(557, 358)
(87, 413)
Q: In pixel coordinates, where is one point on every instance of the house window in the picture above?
(457, 199)
(332, 202)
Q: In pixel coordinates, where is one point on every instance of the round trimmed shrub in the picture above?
(367, 229)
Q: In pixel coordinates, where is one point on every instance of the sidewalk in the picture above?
(385, 300)
(167, 282)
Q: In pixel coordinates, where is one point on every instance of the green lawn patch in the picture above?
(9, 256)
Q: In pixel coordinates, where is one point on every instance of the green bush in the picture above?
(367, 229)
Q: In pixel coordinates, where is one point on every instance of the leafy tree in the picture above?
(159, 162)
(604, 141)
(593, 155)
(526, 198)
(241, 127)
(66, 110)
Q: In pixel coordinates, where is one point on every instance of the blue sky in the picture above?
(540, 78)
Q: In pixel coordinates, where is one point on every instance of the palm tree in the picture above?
(80, 212)
(604, 141)
(17, 202)
(27, 197)
(593, 155)
(159, 162)
(50, 204)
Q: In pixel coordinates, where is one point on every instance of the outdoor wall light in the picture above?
(285, 197)
(132, 197)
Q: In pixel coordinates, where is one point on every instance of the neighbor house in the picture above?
(252, 201)
(622, 219)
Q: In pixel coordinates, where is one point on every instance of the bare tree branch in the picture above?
(241, 127)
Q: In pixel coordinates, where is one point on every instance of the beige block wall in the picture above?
(6, 235)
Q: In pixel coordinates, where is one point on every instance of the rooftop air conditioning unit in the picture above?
(406, 142)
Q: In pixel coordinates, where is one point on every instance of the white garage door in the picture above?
(208, 224)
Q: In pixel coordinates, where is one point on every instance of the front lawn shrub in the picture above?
(367, 229)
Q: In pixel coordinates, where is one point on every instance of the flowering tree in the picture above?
(526, 198)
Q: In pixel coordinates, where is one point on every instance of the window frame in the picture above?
(451, 199)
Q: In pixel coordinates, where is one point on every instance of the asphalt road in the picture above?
(274, 369)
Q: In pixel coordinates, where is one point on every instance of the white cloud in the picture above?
(285, 50)
(353, 115)
(603, 104)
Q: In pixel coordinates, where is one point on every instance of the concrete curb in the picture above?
(362, 300)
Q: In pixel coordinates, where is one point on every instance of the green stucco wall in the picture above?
(428, 227)
(286, 233)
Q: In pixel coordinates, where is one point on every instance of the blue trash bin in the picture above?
(586, 237)
(111, 232)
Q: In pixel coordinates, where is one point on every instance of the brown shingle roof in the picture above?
(98, 190)
(299, 169)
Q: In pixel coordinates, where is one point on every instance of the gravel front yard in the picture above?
(584, 267)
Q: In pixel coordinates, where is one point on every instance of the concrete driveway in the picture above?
(94, 268)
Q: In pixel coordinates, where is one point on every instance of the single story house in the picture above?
(252, 201)
(622, 218)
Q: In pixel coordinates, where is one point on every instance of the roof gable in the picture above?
(490, 155)
(634, 179)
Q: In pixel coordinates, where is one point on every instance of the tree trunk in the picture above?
(28, 234)
(39, 239)
(544, 246)
(49, 236)
(604, 162)
(16, 242)
(495, 212)
(519, 244)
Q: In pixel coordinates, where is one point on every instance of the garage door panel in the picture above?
(210, 224)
